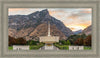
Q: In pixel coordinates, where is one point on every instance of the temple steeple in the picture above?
(48, 28)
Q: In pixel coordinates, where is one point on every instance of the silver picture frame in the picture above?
(93, 53)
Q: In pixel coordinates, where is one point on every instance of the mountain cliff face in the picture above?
(87, 30)
(34, 25)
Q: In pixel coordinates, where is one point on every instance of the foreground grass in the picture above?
(35, 47)
(10, 47)
(87, 48)
(62, 47)
(66, 47)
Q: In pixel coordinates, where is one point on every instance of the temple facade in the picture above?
(49, 39)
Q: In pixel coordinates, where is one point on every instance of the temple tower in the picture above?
(48, 28)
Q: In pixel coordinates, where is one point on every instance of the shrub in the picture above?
(63, 42)
(32, 47)
(32, 42)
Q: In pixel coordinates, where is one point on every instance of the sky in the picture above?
(73, 18)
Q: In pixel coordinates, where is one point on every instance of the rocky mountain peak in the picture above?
(45, 11)
(38, 14)
(23, 23)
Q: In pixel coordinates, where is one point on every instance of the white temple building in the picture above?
(49, 40)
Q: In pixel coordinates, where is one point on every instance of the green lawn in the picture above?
(66, 47)
(10, 48)
(87, 48)
(35, 47)
(62, 47)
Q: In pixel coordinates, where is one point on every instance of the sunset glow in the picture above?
(77, 27)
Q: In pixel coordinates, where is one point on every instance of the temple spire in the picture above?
(48, 28)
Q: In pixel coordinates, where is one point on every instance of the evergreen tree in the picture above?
(68, 42)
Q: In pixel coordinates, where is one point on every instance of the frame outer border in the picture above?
(2, 34)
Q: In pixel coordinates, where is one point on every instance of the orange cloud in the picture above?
(86, 12)
(72, 17)
(72, 28)
(59, 14)
(87, 9)
(16, 9)
(52, 12)
(78, 26)
(83, 25)
(55, 12)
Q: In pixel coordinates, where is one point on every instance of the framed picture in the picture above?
(49, 28)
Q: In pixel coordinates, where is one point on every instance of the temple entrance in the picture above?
(48, 46)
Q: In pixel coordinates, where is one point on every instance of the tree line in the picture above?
(72, 40)
(21, 41)
(80, 40)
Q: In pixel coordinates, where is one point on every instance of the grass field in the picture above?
(10, 48)
(66, 47)
(62, 47)
(87, 48)
(35, 47)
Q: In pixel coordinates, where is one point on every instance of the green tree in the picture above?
(73, 38)
(63, 42)
(32, 42)
(68, 42)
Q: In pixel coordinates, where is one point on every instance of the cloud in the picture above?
(79, 14)
(85, 11)
(59, 14)
(77, 26)
(16, 9)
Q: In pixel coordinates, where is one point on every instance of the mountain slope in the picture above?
(24, 25)
(87, 30)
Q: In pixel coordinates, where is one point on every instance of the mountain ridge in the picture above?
(33, 20)
(78, 31)
(87, 30)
